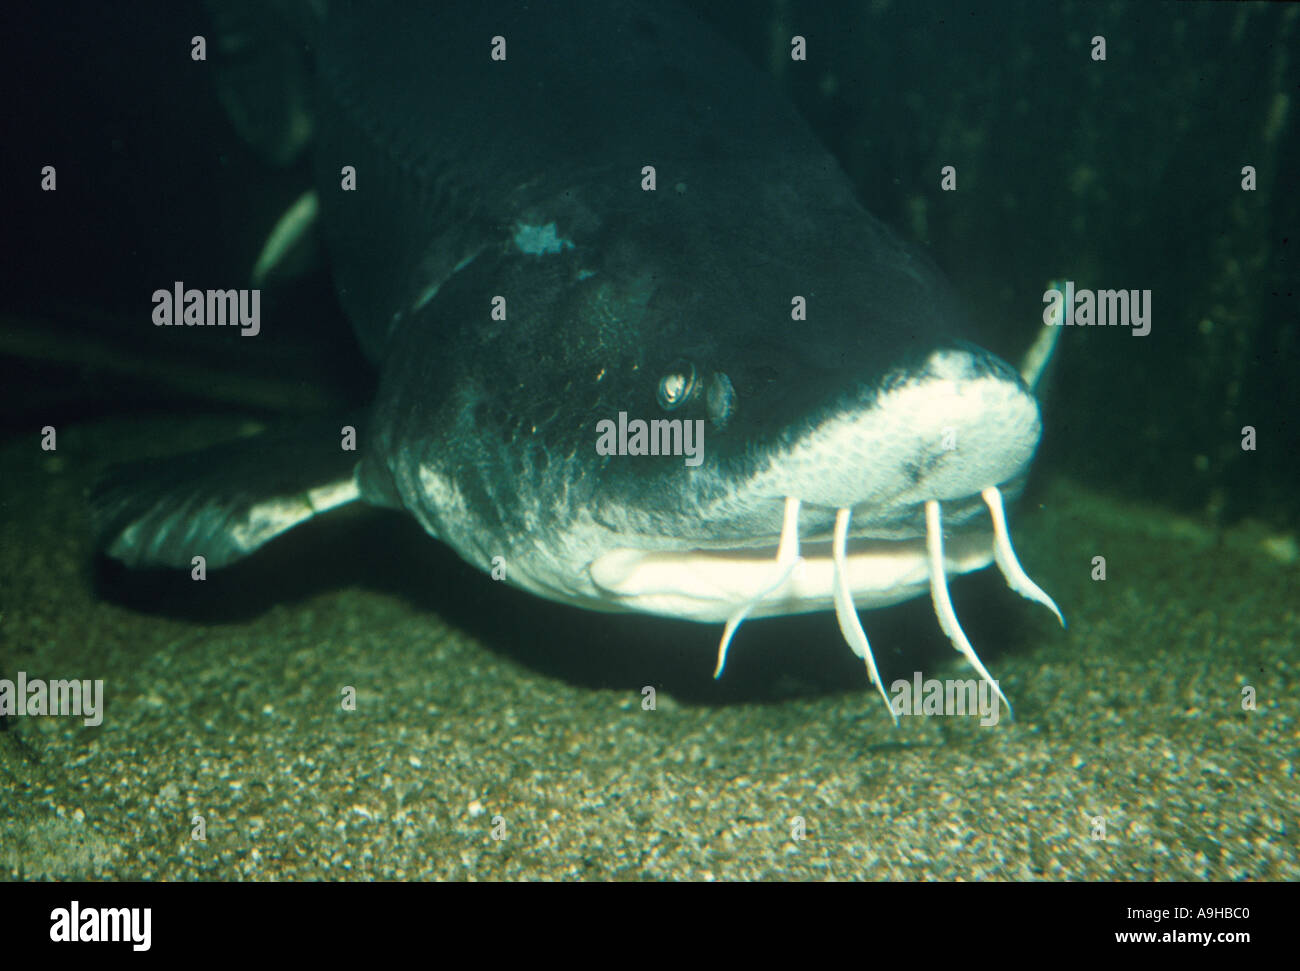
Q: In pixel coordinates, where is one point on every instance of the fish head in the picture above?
(629, 434)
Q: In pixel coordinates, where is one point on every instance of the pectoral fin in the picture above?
(1034, 366)
(223, 502)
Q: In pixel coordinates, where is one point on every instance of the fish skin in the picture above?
(484, 429)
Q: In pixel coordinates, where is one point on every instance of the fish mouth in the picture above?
(730, 585)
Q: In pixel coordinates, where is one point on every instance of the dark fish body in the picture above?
(454, 181)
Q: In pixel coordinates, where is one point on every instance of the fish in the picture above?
(577, 240)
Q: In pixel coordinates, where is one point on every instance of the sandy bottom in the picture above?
(482, 713)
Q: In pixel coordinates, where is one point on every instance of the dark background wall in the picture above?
(1123, 174)
(1120, 174)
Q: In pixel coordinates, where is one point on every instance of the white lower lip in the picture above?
(708, 585)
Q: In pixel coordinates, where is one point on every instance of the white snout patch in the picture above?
(540, 240)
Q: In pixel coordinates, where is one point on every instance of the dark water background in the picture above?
(1120, 174)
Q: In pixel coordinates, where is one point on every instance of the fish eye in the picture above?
(678, 386)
